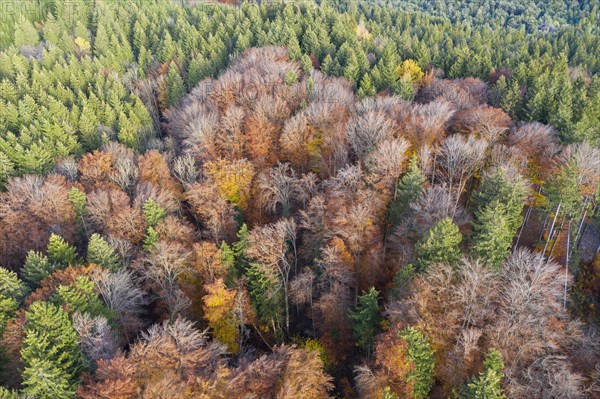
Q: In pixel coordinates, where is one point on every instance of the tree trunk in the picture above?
(551, 229)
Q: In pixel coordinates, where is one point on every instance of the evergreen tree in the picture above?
(420, 354)
(101, 253)
(440, 245)
(12, 293)
(511, 194)
(60, 252)
(50, 352)
(175, 86)
(365, 318)
(6, 170)
(407, 191)
(307, 64)
(25, 33)
(80, 297)
(366, 88)
(153, 212)
(327, 65)
(492, 235)
(488, 385)
(291, 78)
(266, 296)
(78, 200)
(36, 268)
(294, 51)
(42, 379)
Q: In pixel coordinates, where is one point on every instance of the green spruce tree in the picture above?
(420, 354)
(440, 245)
(488, 385)
(365, 318)
(101, 253)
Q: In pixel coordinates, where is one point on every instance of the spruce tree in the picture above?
(440, 245)
(50, 352)
(60, 252)
(36, 268)
(12, 293)
(365, 318)
(366, 88)
(488, 385)
(291, 78)
(420, 354)
(493, 235)
(511, 193)
(153, 212)
(101, 253)
(25, 33)
(175, 86)
(293, 47)
(80, 297)
(42, 379)
(408, 190)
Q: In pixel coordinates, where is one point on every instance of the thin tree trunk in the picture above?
(523, 225)
(567, 264)
(555, 239)
(551, 229)
(586, 225)
(544, 226)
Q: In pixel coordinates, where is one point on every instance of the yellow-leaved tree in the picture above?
(410, 71)
(219, 305)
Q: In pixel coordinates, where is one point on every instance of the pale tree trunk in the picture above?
(551, 229)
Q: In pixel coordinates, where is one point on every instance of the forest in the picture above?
(299, 200)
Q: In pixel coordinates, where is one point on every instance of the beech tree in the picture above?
(218, 310)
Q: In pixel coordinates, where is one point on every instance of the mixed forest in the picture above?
(299, 200)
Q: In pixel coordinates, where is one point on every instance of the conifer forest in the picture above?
(299, 199)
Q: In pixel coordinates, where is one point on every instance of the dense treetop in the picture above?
(299, 200)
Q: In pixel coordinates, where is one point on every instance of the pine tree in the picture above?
(440, 245)
(420, 354)
(51, 346)
(60, 252)
(488, 385)
(492, 235)
(365, 318)
(291, 78)
(101, 253)
(36, 268)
